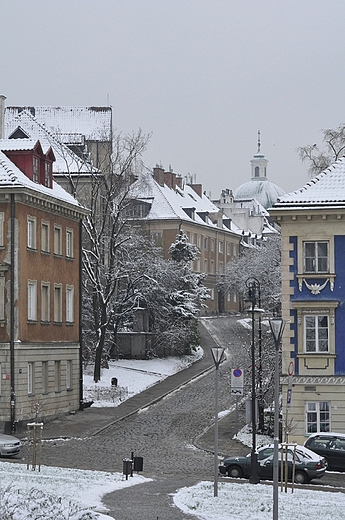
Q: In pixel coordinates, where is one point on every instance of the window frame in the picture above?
(32, 300)
(69, 374)
(45, 317)
(57, 303)
(31, 242)
(57, 375)
(35, 169)
(317, 328)
(45, 377)
(31, 378)
(45, 240)
(315, 258)
(57, 240)
(69, 243)
(69, 304)
(318, 413)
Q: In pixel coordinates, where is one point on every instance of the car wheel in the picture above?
(327, 463)
(235, 472)
(301, 477)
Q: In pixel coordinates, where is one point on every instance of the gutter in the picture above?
(12, 274)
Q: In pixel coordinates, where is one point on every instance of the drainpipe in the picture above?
(2, 116)
(81, 396)
(13, 395)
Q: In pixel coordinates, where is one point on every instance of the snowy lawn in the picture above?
(133, 376)
(57, 493)
(255, 502)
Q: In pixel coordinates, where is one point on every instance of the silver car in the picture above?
(9, 445)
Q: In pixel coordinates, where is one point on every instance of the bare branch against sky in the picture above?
(204, 76)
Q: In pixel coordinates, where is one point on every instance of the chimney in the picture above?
(158, 175)
(2, 116)
(170, 179)
(197, 188)
(179, 181)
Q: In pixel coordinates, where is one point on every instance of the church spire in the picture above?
(259, 141)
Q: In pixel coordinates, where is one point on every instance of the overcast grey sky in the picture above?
(202, 75)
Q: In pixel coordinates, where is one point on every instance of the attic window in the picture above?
(35, 169)
(48, 174)
(190, 212)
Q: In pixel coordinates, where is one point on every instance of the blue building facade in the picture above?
(312, 222)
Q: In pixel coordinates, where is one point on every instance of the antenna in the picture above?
(259, 142)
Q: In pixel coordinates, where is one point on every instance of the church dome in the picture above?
(259, 187)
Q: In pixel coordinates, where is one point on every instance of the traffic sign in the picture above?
(237, 381)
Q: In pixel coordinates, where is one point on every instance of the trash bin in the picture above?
(127, 467)
(138, 463)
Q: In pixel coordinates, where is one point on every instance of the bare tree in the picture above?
(319, 160)
(106, 233)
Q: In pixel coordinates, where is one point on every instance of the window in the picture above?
(45, 301)
(57, 303)
(198, 265)
(316, 334)
(212, 293)
(57, 376)
(198, 241)
(57, 240)
(35, 175)
(220, 246)
(45, 380)
(205, 266)
(228, 297)
(212, 244)
(234, 250)
(205, 243)
(220, 267)
(69, 243)
(69, 304)
(316, 257)
(2, 297)
(2, 220)
(31, 242)
(45, 236)
(212, 267)
(47, 171)
(69, 374)
(0, 378)
(31, 372)
(191, 238)
(32, 300)
(228, 249)
(317, 417)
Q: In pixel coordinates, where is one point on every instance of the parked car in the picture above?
(9, 445)
(308, 465)
(331, 446)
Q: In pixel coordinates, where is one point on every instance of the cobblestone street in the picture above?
(164, 434)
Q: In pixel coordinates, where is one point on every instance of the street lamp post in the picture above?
(217, 354)
(277, 328)
(254, 296)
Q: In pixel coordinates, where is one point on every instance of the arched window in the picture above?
(257, 171)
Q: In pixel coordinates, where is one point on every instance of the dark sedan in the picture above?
(308, 465)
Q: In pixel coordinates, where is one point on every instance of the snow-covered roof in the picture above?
(92, 122)
(261, 189)
(182, 204)
(11, 176)
(326, 189)
(66, 161)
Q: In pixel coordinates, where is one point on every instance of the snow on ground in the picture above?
(255, 502)
(235, 501)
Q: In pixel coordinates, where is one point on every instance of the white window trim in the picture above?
(317, 349)
(47, 285)
(57, 238)
(318, 412)
(69, 304)
(57, 305)
(69, 243)
(32, 300)
(45, 248)
(31, 376)
(31, 232)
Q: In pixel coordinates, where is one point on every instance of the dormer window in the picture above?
(35, 177)
(48, 174)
